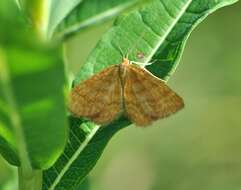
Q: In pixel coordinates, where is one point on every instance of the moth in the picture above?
(126, 89)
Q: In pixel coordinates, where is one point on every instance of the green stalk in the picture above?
(37, 11)
(30, 182)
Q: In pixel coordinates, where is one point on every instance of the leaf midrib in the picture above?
(162, 39)
(74, 157)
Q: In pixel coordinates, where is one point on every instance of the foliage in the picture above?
(33, 118)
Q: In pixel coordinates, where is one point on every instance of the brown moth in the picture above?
(124, 88)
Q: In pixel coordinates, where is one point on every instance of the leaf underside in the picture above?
(91, 12)
(59, 9)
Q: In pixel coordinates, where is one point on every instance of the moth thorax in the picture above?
(123, 66)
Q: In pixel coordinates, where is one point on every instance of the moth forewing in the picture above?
(147, 98)
(99, 97)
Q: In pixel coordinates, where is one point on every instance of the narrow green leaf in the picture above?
(91, 12)
(58, 10)
(81, 154)
(33, 124)
(85, 185)
(167, 56)
(158, 31)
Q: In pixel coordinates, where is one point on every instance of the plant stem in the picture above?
(38, 13)
(31, 181)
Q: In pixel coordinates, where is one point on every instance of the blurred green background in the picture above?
(198, 148)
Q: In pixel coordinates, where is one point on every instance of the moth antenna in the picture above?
(121, 51)
(127, 55)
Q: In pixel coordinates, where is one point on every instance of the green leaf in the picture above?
(91, 12)
(159, 31)
(85, 185)
(33, 124)
(81, 153)
(58, 10)
(168, 55)
(158, 28)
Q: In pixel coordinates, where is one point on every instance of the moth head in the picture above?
(125, 61)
